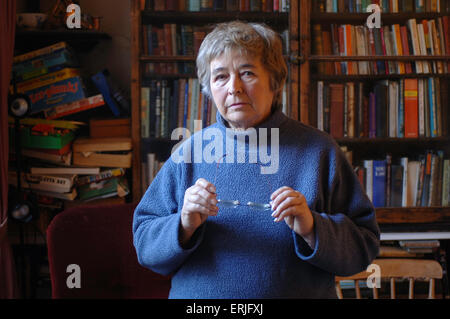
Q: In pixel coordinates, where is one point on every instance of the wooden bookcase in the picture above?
(364, 147)
(278, 20)
(302, 81)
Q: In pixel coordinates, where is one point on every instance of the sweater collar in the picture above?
(275, 120)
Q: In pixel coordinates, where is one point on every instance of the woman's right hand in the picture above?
(200, 202)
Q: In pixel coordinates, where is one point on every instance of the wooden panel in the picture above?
(293, 67)
(305, 49)
(135, 99)
(413, 215)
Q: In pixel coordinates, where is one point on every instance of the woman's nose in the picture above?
(235, 85)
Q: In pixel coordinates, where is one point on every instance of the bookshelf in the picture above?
(377, 147)
(141, 16)
(303, 62)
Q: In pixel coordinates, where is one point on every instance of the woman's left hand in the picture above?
(291, 206)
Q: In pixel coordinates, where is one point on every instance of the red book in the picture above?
(406, 49)
(411, 108)
(337, 110)
(383, 46)
(348, 47)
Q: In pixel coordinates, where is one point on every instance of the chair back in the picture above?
(396, 269)
(95, 243)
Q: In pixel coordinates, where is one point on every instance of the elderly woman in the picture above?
(225, 229)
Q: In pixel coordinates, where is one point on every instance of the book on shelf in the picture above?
(386, 6)
(422, 181)
(216, 5)
(379, 183)
(426, 37)
(168, 104)
(150, 168)
(409, 108)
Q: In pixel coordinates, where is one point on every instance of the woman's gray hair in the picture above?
(254, 39)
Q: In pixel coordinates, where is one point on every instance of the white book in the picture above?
(151, 168)
(421, 100)
(412, 25)
(393, 108)
(320, 105)
(368, 165)
(422, 45)
(404, 164)
(413, 180)
(446, 183)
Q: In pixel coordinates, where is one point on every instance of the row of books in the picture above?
(172, 39)
(54, 155)
(178, 103)
(170, 104)
(149, 168)
(426, 37)
(405, 108)
(386, 6)
(216, 5)
(407, 182)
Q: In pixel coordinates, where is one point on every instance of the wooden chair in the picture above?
(398, 268)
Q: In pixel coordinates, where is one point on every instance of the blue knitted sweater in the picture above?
(242, 252)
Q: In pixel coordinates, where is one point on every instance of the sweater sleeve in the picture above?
(156, 223)
(346, 231)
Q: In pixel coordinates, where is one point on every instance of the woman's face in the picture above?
(241, 90)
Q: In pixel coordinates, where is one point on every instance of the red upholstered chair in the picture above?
(99, 240)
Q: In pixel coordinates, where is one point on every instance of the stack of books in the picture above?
(52, 166)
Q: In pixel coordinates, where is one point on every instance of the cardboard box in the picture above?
(102, 152)
(53, 89)
(110, 128)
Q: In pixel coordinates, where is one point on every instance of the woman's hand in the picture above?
(291, 206)
(200, 202)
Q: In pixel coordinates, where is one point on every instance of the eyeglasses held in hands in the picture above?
(226, 203)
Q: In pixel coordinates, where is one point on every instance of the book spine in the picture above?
(379, 183)
(411, 108)
(368, 165)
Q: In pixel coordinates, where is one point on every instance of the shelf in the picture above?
(277, 19)
(79, 40)
(371, 77)
(406, 58)
(394, 140)
(167, 58)
(361, 18)
(415, 215)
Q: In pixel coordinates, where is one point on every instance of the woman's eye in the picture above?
(220, 77)
(247, 73)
